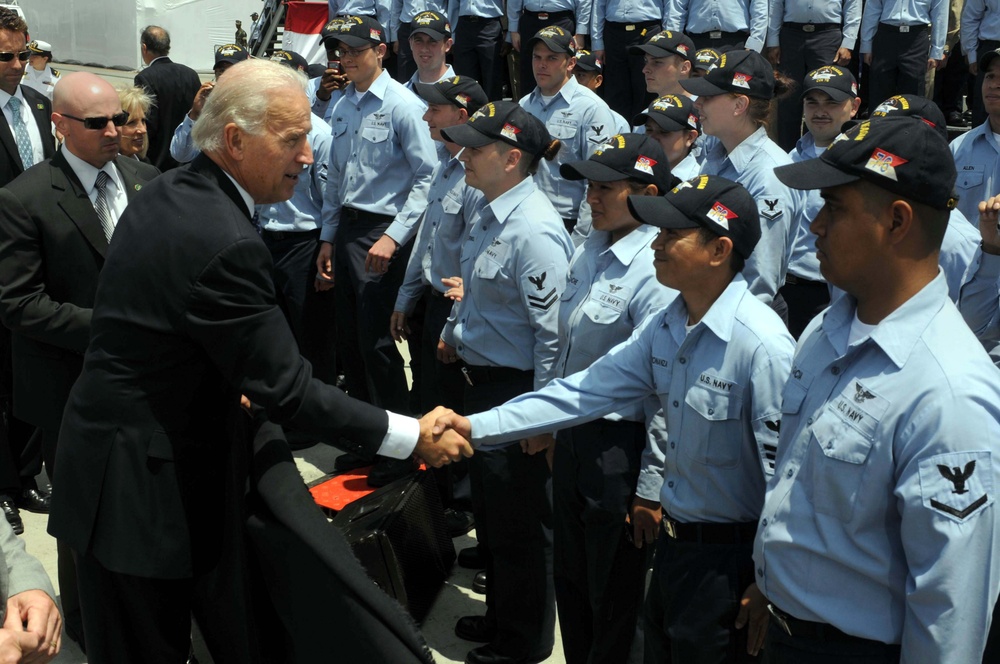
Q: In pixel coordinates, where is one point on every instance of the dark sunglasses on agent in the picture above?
(7, 56)
(100, 122)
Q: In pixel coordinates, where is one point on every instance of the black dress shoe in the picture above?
(33, 500)
(475, 628)
(479, 583)
(12, 513)
(488, 655)
(458, 522)
(472, 558)
(351, 461)
(955, 119)
(386, 471)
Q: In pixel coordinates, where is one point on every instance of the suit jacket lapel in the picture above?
(43, 119)
(129, 179)
(76, 204)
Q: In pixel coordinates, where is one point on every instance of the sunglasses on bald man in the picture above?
(7, 56)
(101, 122)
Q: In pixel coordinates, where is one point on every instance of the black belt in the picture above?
(718, 34)
(353, 214)
(792, 280)
(709, 533)
(437, 294)
(629, 27)
(478, 19)
(812, 27)
(815, 631)
(551, 16)
(903, 28)
(278, 236)
(486, 375)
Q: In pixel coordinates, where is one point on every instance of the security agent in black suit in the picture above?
(185, 321)
(20, 450)
(52, 247)
(174, 86)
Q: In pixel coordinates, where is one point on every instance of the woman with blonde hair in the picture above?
(136, 102)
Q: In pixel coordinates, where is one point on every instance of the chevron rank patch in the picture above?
(957, 485)
(541, 291)
(770, 207)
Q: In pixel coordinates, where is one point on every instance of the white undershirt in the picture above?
(859, 330)
(34, 131)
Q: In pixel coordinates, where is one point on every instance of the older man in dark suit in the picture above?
(174, 86)
(25, 140)
(56, 220)
(185, 320)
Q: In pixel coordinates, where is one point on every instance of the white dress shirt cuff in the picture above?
(401, 438)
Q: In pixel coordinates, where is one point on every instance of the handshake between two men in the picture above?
(445, 436)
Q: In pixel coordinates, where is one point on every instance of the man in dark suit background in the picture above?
(174, 86)
(52, 245)
(185, 320)
(25, 140)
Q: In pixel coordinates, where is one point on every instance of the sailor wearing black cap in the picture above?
(383, 160)
(977, 151)
(667, 58)
(672, 121)
(572, 113)
(608, 468)
(589, 72)
(716, 360)
(514, 265)
(423, 43)
(526, 17)
(734, 104)
(705, 60)
(880, 536)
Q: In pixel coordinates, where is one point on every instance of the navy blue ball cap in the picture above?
(742, 72)
(624, 157)
(503, 121)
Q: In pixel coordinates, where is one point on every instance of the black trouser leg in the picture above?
(625, 86)
(899, 63)
(477, 53)
(781, 648)
(406, 66)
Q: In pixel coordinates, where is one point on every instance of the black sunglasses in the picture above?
(7, 56)
(100, 123)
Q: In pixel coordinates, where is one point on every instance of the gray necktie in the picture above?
(103, 207)
(21, 134)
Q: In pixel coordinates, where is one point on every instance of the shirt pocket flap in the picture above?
(840, 441)
(713, 405)
(969, 179)
(375, 134)
(450, 205)
(487, 269)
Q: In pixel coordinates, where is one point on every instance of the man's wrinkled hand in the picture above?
(644, 516)
(440, 446)
(753, 610)
(381, 253)
(536, 444)
(456, 289)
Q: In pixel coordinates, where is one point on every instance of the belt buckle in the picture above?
(543, 16)
(715, 34)
(670, 527)
(904, 28)
(777, 615)
(630, 27)
(808, 27)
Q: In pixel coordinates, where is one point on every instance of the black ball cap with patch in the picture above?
(555, 38)
(916, 107)
(587, 61)
(706, 59)
(624, 156)
(231, 53)
(837, 82)
(432, 24)
(670, 113)
(503, 121)
(707, 201)
(903, 155)
(742, 72)
(666, 43)
(354, 31)
(290, 59)
(460, 91)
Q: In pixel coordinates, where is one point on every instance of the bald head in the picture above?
(79, 96)
(155, 43)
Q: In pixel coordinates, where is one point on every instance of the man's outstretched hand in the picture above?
(449, 419)
(439, 446)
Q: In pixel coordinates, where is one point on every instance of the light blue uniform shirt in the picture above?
(451, 207)
(879, 519)
(304, 210)
(719, 387)
(580, 8)
(700, 16)
(403, 11)
(906, 12)
(514, 265)
(411, 84)
(980, 22)
(383, 158)
(802, 261)
(976, 156)
(979, 302)
(485, 8)
(846, 13)
(752, 164)
(323, 109)
(182, 147)
(582, 122)
(624, 11)
(610, 290)
(380, 9)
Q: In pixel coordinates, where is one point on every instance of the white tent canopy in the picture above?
(105, 33)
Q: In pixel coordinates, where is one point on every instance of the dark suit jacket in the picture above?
(10, 158)
(185, 319)
(51, 251)
(174, 85)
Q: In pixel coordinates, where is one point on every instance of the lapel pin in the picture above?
(40, 107)
(137, 187)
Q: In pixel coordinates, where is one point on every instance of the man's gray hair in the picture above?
(242, 97)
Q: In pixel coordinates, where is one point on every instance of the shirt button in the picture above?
(764, 522)
(673, 444)
(760, 572)
(683, 360)
(809, 421)
(670, 484)
(461, 347)
(789, 473)
(675, 404)
(835, 371)
(711, 411)
(797, 373)
(463, 321)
